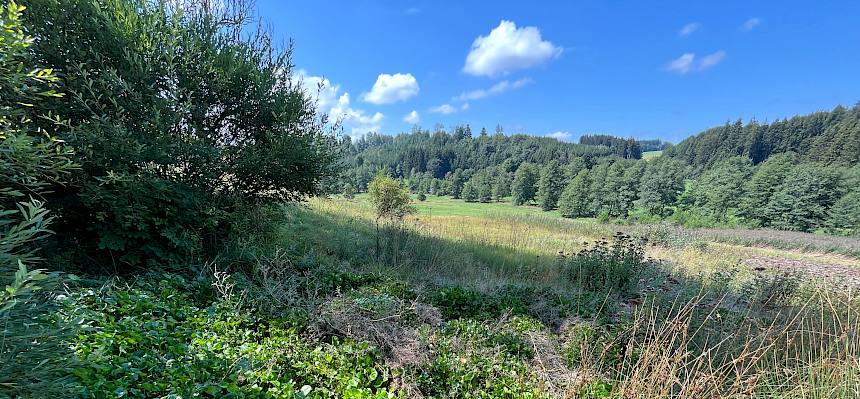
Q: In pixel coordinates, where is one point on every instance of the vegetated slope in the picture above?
(827, 137)
(439, 153)
(797, 174)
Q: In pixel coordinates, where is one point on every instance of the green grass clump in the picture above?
(459, 302)
(478, 359)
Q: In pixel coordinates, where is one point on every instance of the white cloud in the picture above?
(447, 109)
(497, 88)
(321, 89)
(412, 10)
(508, 48)
(712, 59)
(688, 29)
(687, 62)
(560, 136)
(392, 88)
(750, 24)
(412, 118)
(682, 64)
(443, 109)
(355, 122)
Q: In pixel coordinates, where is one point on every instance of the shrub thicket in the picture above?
(177, 113)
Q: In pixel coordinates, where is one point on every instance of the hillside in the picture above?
(799, 174)
(826, 137)
(441, 153)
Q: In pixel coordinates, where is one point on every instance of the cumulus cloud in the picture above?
(357, 121)
(560, 136)
(392, 88)
(688, 29)
(447, 109)
(321, 89)
(497, 88)
(412, 118)
(330, 101)
(508, 48)
(687, 62)
(750, 24)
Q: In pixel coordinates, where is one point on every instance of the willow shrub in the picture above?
(177, 113)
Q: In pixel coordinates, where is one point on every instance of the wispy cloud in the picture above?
(447, 109)
(412, 11)
(682, 64)
(688, 29)
(495, 89)
(687, 62)
(751, 24)
(712, 59)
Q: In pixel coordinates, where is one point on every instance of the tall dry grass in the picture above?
(699, 340)
(690, 350)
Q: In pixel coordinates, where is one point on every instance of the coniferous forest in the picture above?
(798, 174)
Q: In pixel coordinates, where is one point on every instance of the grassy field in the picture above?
(467, 300)
(651, 154)
(445, 206)
(551, 233)
(682, 317)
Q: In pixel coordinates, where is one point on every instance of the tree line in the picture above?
(785, 190)
(442, 153)
(625, 148)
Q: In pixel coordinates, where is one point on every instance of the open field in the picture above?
(711, 288)
(549, 234)
(651, 154)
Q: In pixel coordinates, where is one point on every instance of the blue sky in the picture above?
(659, 69)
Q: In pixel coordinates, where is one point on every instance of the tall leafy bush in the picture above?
(177, 112)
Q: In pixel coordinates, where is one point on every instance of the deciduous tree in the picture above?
(523, 187)
(550, 186)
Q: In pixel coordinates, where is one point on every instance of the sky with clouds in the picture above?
(661, 69)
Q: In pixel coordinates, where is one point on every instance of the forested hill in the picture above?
(794, 174)
(826, 137)
(440, 153)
